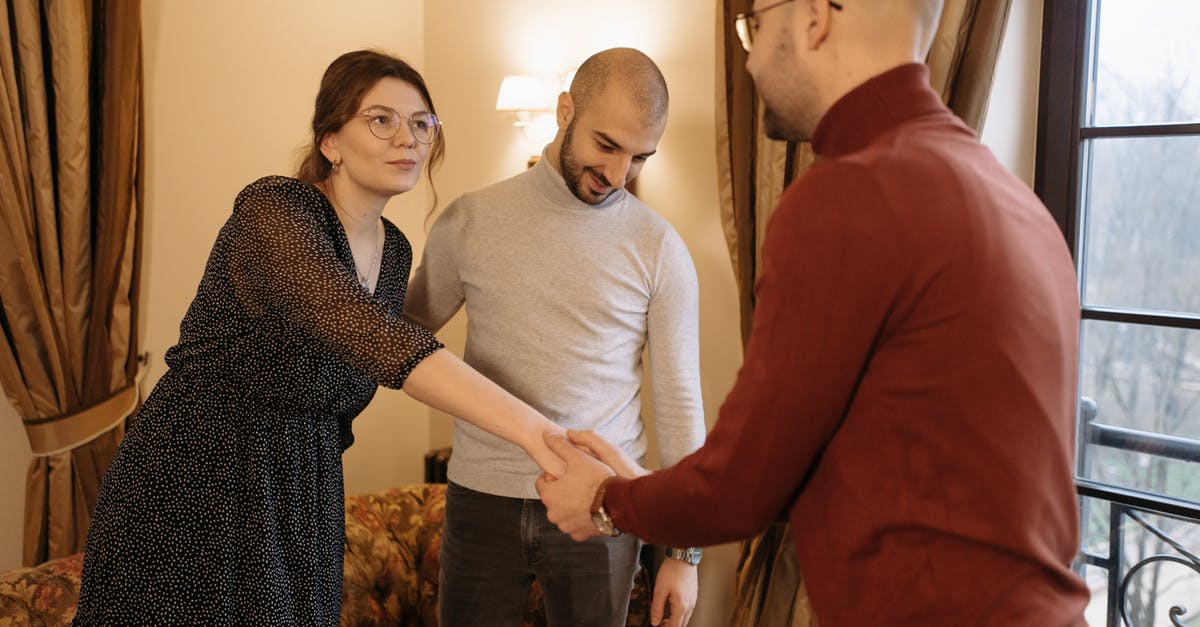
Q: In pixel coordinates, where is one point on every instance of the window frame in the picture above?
(1059, 181)
(1066, 44)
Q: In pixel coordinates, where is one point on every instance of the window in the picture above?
(1119, 167)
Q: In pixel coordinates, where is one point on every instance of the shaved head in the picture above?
(908, 24)
(928, 12)
(624, 69)
(808, 54)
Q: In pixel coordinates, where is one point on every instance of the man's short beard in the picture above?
(776, 127)
(572, 172)
(567, 163)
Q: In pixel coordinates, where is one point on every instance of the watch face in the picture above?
(603, 524)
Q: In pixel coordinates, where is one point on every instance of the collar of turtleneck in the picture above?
(550, 183)
(875, 107)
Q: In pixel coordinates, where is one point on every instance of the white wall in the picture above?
(229, 88)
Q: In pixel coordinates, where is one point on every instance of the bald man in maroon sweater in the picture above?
(908, 394)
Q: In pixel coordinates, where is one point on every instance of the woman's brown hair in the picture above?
(346, 80)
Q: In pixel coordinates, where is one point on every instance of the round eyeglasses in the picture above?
(384, 123)
(746, 23)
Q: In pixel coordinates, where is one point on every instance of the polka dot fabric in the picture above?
(224, 503)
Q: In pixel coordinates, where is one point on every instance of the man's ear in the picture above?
(817, 16)
(566, 109)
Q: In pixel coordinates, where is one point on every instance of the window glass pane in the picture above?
(1146, 70)
(1147, 379)
(1155, 582)
(1097, 582)
(1142, 223)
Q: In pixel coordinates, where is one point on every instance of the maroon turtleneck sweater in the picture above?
(908, 392)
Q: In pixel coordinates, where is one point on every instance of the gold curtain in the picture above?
(70, 199)
(752, 174)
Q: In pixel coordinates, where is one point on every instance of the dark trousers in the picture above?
(493, 547)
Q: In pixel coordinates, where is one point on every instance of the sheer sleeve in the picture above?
(284, 262)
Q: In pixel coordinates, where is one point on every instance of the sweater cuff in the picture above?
(617, 503)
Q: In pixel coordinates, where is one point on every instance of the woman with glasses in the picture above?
(224, 502)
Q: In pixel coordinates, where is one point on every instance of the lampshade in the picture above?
(526, 93)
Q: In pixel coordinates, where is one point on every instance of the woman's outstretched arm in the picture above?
(445, 382)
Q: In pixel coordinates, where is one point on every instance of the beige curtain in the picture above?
(70, 201)
(753, 172)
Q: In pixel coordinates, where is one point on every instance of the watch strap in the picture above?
(690, 555)
(598, 499)
(600, 517)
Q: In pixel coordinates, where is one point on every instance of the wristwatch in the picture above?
(691, 556)
(600, 518)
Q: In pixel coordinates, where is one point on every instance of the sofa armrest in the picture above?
(390, 573)
(43, 595)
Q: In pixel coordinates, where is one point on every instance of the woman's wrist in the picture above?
(535, 446)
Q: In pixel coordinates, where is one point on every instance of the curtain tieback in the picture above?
(58, 434)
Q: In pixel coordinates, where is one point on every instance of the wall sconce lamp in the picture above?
(532, 99)
(525, 94)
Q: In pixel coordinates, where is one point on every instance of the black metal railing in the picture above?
(1132, 507)
(1169, 446)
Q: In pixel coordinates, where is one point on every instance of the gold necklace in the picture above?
(365, 281)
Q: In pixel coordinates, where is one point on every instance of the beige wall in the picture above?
(1010, 128)
(229, 91)
(229, 87)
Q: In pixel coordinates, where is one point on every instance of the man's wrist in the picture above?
(600, 517)
(690, 555)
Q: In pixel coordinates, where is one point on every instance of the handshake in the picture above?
(585, 462)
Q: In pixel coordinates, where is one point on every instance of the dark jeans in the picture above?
(493, 547)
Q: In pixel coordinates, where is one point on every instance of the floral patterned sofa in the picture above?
(390, 577)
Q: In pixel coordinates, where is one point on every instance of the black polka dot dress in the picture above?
(224, 502)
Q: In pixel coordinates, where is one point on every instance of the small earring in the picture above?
(335, 166)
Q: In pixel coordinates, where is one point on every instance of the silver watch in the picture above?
(691, 556)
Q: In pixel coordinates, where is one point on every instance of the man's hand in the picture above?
(568, 498)
(602, 449)
(541, 454)
(677, 585)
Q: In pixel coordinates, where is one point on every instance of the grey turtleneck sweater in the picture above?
(562, 297)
